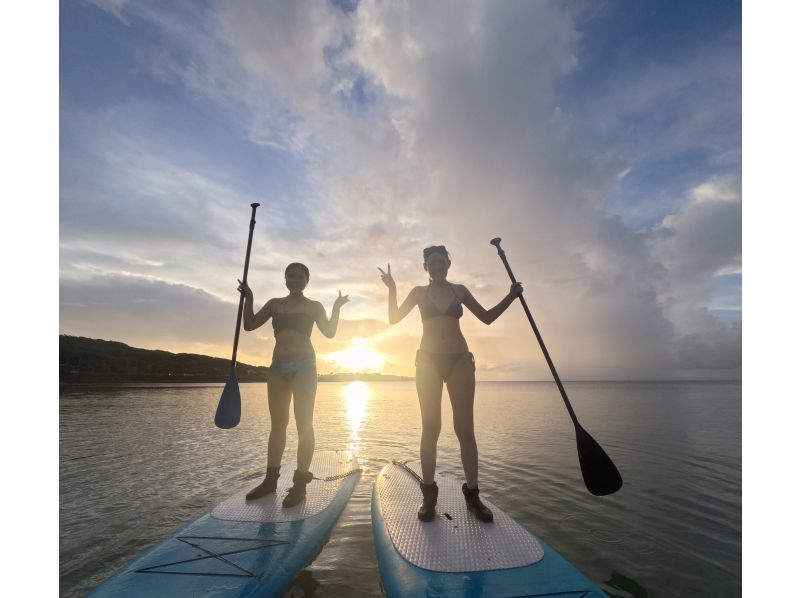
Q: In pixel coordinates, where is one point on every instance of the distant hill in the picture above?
(83, 360)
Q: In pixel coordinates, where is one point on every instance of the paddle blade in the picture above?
(599, 474)
(229, 409)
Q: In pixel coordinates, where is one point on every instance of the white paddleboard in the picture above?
(456, 554)
(245, 548)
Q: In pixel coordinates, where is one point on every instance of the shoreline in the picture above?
(355, 378)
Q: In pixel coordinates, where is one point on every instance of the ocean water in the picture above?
(137, 462)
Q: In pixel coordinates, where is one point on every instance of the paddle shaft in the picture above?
(244, 281)
(502, 255)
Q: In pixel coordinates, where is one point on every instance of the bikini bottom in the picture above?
(289, 367)
(443, 362)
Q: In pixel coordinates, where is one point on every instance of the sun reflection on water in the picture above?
(356, 397)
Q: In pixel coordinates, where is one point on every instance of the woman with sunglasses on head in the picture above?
(293, 373)
(444, 358)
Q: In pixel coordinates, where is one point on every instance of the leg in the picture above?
(305, 390)
(429, 390)
(461, 388)
(279, 394)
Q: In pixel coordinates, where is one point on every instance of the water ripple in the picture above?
(138, 462)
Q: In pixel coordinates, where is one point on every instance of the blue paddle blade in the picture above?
(229, 410)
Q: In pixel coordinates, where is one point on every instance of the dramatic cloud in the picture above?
(404, 125)
(700, 242)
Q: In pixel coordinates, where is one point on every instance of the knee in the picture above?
(431, 430)
(465, 434)
(279, 423)
(305, 430)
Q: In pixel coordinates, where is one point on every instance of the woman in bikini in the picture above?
(293, 373)
(444, 358)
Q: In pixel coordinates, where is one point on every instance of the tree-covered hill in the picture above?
(84, 359)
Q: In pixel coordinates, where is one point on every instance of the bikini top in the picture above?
(299, 322)
(428, 309)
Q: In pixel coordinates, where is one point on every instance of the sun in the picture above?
(358, 357)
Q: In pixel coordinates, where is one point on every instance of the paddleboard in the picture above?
(457, 555)
(245, 548)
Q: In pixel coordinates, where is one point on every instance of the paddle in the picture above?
(229, 409)
(599, 474)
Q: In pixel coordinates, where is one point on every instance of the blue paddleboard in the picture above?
(457, 555)
(245, 548)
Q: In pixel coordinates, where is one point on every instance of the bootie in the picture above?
(298, 490)
(430, 494)
(475, 505)
(268, 486)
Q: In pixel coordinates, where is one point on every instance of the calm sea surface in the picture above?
(138, 462)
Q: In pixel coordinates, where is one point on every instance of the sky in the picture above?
(602, 141)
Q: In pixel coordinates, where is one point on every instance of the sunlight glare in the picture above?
(356, 399)
(358, 357)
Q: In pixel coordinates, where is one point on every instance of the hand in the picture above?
(340, 300)
(516, 289)
(243, 288)
(386, 277)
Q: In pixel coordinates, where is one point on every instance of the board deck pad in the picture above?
(319, 493)
(455, 541)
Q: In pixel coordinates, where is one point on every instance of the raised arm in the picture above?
(251, 321)
(487, 316)
(397, 313)
(326, 326)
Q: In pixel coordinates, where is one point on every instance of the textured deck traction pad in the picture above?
(460, 543)
(319, 493)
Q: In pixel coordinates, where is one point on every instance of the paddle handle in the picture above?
(244, 280)
(502, 254)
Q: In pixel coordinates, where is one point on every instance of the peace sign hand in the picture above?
(341, 300)
(386, 277)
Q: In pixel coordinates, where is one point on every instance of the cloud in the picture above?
(147, 313)
(151, 313)
(703, 239)
(441, 123)
(114, 7)
(700, 242)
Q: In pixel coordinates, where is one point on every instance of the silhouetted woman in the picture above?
(444, 358)
(293, 373)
